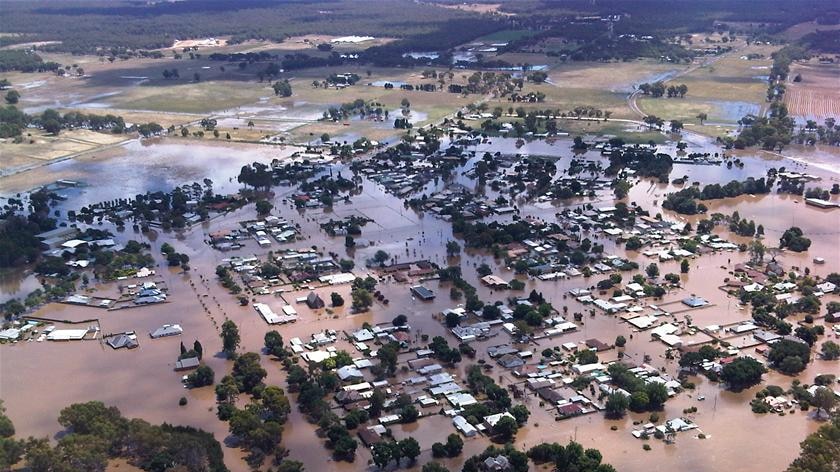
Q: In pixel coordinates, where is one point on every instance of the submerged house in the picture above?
(314, 301)
(122, 341)
(422, 292)
(187, 364)
(167, 330)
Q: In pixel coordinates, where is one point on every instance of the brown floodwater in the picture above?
(142, 382)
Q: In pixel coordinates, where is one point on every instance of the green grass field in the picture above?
(725, 90)
(201, 97)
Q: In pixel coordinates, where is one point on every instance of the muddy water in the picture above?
(147, 165)
(142, 383)
(14, 284)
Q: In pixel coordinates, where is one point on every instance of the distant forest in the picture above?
(113, 27)
(823, 41)
(683, 16)
(85, 27)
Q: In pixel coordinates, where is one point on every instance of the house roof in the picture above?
(122, 340)
(188, 363)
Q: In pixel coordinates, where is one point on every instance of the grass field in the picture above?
(614, 77)
(601, 85)
(725, 90)
(201, 97)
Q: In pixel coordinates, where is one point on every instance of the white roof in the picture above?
(493, 419)
(585, 368)
(316, 356)
(664, 330)
(67, 334)
(73, 243)
(461, 399)
(337, 279)
(464, 426)
(10, 334)
(643, 322)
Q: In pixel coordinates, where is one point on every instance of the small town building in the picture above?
(422, 293)
(187, 364)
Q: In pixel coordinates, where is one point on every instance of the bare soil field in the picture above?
(817, 96)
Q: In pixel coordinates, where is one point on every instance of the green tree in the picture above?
(616, 405)
(264, 207)
(248, 372)
(380, 257)
(587, 356)
(409, 414)
(633, 244)
(93, 418)
(521, 413)
(434, 467)
(382, 454)
(639, 401)
(820, 450)
(362, 299)
(274, 405)
(290, 466)
(657, 395)
(621, 188)
(798, 353)
(505, 429)
(201, 377)
(830, 351)
(410, 449)
(274, 344)
(794, 239)
(454, 445)
(452, 319)
(377, 401)
(824, 399)
(743, 372)
(230, 337)
(12, 97)
(282, 88)
(227, 390)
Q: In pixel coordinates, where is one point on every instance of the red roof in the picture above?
(570, 409)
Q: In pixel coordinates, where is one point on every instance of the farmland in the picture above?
(817, 95)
